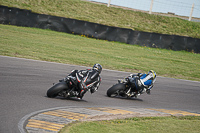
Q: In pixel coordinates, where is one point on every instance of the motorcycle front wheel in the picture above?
(56, 89)
(115, 89)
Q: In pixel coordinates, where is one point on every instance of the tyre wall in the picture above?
(26, 18)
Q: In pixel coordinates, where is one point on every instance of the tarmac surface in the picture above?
(24, 105)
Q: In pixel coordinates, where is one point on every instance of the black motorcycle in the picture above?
(124, 88)
(66, 87)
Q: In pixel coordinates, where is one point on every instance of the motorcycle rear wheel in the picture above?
(56, 89)
(115, 89)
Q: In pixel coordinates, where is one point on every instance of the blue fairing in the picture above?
(148, 82)
(143, 76)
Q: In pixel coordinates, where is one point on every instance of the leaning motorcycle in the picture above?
(66, 87)
(124, 88)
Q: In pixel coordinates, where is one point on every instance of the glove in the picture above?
(121, 81)
(139, 74)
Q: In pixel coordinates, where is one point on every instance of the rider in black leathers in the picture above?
(88, 79)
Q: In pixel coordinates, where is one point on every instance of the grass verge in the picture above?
(187, 124)
(65, 48)
(118, 17)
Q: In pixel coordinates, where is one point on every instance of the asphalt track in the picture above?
(24, 82)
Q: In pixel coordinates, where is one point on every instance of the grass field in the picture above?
(73, 49)
(188, 124)
(83, 10)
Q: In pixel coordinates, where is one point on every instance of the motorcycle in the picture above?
(124, 88)
(66, 87)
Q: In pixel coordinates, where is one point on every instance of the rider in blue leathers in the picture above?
(142, 82)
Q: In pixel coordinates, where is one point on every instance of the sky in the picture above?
(179, 7)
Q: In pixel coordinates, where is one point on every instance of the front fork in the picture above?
(72, 93)
(129, 93)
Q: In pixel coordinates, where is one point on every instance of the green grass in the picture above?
(188, 124)
(60, 47)
(98, 13)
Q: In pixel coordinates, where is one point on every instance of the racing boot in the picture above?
(148, 91)
(81, 94)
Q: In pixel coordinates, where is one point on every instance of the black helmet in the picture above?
(97, 67)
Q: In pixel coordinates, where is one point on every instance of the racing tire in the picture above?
(54, 90)
(114, 90)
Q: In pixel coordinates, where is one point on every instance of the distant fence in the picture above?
(26, 18)
(171, 8)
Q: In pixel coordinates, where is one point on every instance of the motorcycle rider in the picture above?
(88, 79)
(142, 82)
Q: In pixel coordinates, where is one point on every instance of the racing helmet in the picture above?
(153, 73)
(98, 68)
